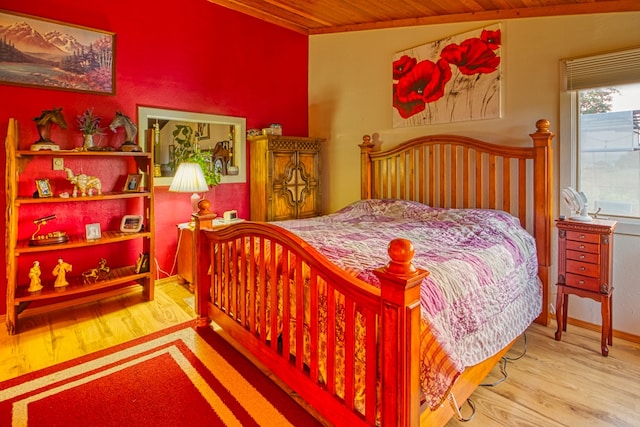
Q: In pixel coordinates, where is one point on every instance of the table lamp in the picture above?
(189, 178)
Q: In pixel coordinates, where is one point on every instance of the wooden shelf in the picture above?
(79, 290)
(77, 285)
(72, 153)
(103, 196)
(79, 241)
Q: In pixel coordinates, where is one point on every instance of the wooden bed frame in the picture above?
(446, 171)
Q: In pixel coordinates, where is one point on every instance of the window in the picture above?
(609, 149)
(600, 116)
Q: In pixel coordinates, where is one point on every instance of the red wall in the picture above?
(193, 56)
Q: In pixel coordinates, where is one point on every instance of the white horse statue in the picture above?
(130, 130)
(85, 183)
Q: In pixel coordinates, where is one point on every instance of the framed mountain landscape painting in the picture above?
(45, 53)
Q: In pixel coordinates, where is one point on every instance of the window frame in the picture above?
(568, 172)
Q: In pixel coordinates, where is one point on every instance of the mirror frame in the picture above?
(146, 113)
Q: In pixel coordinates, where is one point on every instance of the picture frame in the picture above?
(133, 182)
(131, 223)
(93, 232)
(204, 131)
(86, 65)
(44, 188)
(142, 263)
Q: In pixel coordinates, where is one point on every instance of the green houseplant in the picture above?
(186, 149)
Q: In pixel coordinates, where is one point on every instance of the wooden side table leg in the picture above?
(605, 304)
(560, 313)
(565, 312)
(611, 319)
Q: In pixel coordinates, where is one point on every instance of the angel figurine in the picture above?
(60, 271)
(34, 274)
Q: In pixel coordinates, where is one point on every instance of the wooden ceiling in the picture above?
(334, 16)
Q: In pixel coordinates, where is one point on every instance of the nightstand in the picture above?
(185, 254)
(585, 268)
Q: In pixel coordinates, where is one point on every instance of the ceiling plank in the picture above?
(333, 16)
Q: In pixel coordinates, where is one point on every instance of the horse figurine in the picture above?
(130, 130)
(43, 123)
(95, 273)
(84, 183)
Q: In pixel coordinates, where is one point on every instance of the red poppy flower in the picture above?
(407, 109)
(402, 66)
(472, 56)
(425, 82)
(491, 38)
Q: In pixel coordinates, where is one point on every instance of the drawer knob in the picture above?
(581, 256)
(581, 246)
(581, 282)
(581, 268)
(582, 236)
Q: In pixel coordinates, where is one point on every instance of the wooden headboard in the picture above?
(459, 172)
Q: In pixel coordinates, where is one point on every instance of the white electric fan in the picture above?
(577, 202)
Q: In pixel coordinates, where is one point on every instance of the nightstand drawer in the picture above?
(593, 248)
(583, 268)
(583, 237)
(593, 258)
(583, 282)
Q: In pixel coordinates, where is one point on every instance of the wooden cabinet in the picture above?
(585, 254)
(285, 177)
(109, 257)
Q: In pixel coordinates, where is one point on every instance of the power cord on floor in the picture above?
(175, 259)
(503, 365)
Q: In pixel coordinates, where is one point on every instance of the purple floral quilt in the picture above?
(483, 290)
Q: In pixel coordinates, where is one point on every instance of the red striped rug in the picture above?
(177, 377)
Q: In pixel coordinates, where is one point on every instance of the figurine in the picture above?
(60, 271)
(43, 123)
(130, 130)
(95, 273)
(34, 275)
(85, 183)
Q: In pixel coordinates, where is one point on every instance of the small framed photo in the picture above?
(133, 182)
(44, 188)
(131, 223)
(93, 231)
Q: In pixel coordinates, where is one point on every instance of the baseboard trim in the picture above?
(593, 327)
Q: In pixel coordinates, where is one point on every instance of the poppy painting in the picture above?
(450, 80)
(45, 53)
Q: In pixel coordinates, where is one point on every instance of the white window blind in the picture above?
(606, 69)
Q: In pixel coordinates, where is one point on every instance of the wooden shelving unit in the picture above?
(119, 278)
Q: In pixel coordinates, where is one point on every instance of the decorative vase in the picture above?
(88, 142)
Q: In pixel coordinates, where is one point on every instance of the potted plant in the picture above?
(89, 125)
(186, 149)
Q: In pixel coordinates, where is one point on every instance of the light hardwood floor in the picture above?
(46, 339)
(565, 383)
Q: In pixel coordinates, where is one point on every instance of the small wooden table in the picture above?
(185, 254)
(585, 269)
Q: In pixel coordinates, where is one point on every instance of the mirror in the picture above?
(223, 136)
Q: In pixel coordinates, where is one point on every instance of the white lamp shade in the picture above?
(189, 178)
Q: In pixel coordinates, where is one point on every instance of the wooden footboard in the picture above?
(319, 307)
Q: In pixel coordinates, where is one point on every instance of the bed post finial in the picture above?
(401, 253)
(543, 125)
(204, 207)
